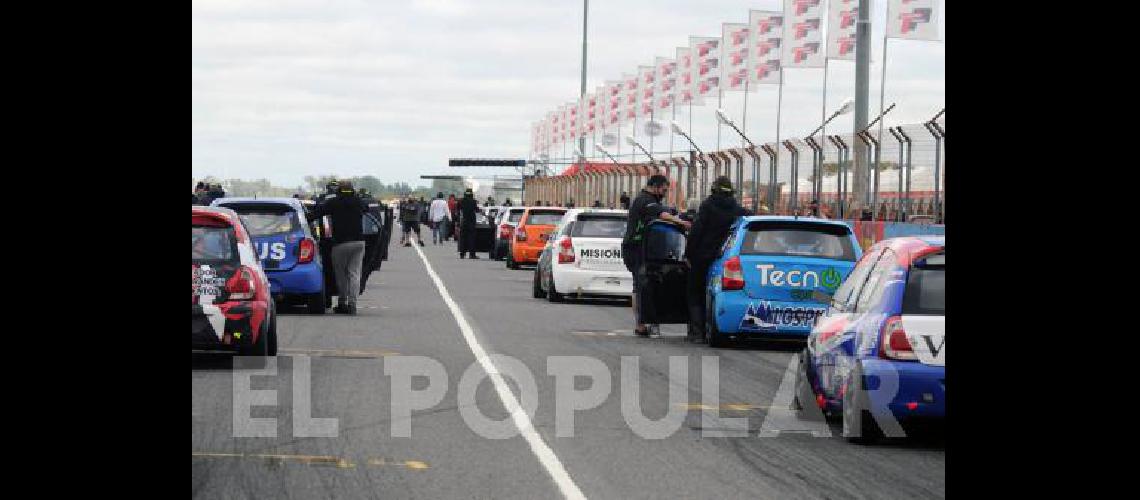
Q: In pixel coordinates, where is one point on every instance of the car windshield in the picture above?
(599, 226)
(925, 292)
(210, 244)
(826, 241)
(544, 218)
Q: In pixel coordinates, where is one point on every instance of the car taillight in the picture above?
(733, 276)
(565, 251)
(240, 286)
(306, 251)
(894, 344)
(504, 231)
(520, 234)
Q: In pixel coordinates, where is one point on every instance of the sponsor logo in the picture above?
(911, 20)
(205, 281)
(600, 253)
(765, 317)
(770, 276)
(275, 251)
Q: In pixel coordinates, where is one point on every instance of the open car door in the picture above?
(662, 296)
(373, 234)
(373, 238)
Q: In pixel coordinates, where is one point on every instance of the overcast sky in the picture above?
(287, 88)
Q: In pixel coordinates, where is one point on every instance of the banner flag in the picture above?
(734, 44)
(841, 17)
(803, 30)
(766, 31)
(913, 19)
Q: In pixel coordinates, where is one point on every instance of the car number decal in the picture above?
(275, 251)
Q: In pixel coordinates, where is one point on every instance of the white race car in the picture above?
(583, 257)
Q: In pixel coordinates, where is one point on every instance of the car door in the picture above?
(824, 342)
(373, 236)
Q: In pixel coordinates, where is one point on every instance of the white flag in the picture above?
(841, 18)
(666, 83)
(803, 34)
(629, 89)
(600, 101)
(706, 56)
(646, 76)
(686, 77)
(766, 32)
(613, 103)
(734, 45)
(913, 19)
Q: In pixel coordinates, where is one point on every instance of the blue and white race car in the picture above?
(774, 277)
(284, 242)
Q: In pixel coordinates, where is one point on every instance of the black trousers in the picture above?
(633, 257)
(698, 280)
(467, 239)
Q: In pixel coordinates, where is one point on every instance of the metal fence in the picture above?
(908, 183)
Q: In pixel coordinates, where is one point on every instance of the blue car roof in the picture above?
(789, 218)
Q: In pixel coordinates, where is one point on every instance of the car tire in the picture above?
(511, 264)
(551, 294)
(272, 337)
(316, 303)
(259, 351)
(712, 335)
(538, 292)
(855, 403)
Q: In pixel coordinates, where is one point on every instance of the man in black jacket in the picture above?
(646, 208)
(346, 210)
(714, 218)
(467, 208)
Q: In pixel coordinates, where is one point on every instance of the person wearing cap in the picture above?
(346, 213)
(437, 214)
(714, 219)
(467, 208)
(646, 208)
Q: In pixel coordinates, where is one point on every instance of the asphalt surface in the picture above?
(402, 313)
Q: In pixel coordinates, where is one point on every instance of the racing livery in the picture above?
(584, 257)
(230, 302)
(887, 323)
(774, 275)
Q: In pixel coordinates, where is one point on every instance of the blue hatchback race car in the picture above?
(774, 277)
(284, 242)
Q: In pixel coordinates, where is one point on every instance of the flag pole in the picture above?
(776, 167)
(882, 96)
(823, 130)
(719, 103)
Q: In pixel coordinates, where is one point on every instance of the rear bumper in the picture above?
(921, 385)
(730, 308)
(228, 326)
(303, 279)
(526, 254)
(569, 280)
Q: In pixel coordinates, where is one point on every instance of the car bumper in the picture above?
(227, 326)
(729, 308)
(921, 388)
(569, 280)
(525, 255)
(303, 279)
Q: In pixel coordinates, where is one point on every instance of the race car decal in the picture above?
(207, 287)
(767, 318)
(275, 251)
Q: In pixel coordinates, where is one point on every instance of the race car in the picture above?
(286, 246)
(531, 233)
(505, 223)
(886, 323)
(584, 257)
(231, 306)
(774, 276)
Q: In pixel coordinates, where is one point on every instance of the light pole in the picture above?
(700, 154)
(633, 142)
(723, 118)
(606, 152)
(843, 109)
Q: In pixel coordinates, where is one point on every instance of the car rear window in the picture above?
(826, 241)
(213, 245)
(515, 216)
(600, 226)
(925, 292)
(262, 220)
(544, 217)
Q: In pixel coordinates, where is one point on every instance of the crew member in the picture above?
(714, 218)
(467, 208)
(644, 209)
(409, 220)
(438, 214)
(624, 200)
(346, 214)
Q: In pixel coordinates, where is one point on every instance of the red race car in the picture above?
(232, 308)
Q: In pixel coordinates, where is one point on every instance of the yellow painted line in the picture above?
(343, 353)
(408, 464)
(338, 462)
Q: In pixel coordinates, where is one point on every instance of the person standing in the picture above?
(467, 208)
(644, 209)
(409, 220)
(508, 203)
(714, 218)
(438, 213)
(453, 207)
(346, 211)
(624, 200)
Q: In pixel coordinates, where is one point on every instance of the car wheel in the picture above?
(551, 294)
(272, 337)
(316, 303)
(538, 293)
(856, 407)
(712, 335)
(259, 350)
(511, 264)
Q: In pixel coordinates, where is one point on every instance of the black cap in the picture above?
(722, 184)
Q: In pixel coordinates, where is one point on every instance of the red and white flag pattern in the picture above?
(841, 18)
(913, 19)
(803, 34)
(766, 34)
(734, 45)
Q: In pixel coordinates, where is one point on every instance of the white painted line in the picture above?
(545, 455)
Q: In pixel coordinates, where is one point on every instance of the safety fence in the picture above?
(904, 177)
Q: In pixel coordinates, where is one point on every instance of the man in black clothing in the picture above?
(346, 211)
(714, 218)
(467, 208)
(508, 203)
(645, 208)
(624, 200)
